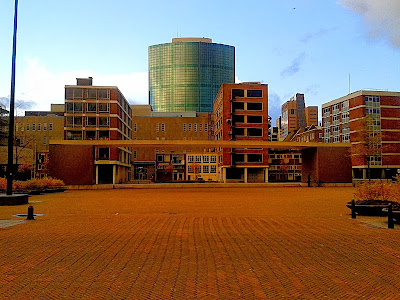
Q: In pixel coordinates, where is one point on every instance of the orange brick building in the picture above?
(161, 126)
(95, 113)
(241, 113)
(370, 120)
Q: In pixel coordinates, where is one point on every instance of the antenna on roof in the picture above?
(349, 83)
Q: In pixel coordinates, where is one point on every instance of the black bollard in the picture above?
(353, 209)
(30, 213)
(390, 217)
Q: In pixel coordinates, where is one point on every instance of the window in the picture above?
(205, 127)
(206, 169)
(74, 135)
(33, 127)
(254, 119)
(213, 169)
(237, 93)
(238, 118)
(254, 93)
(190, 126)
(44, 141)
(213, 158)
(45, 127)
(39, 126)
(51, 126)
(135, 154)
(201, 127)
(254, 132)
(237, 158)
(254, 158)
(91, 94)
(104, 94)
(162, 127)
(237, 106)
(292, 111)
(104, 135)
(198, 158)
(190, 169)
(254, 106)
(195, 127)
(77, 107)
(91, 107)
(78, 93)
(135, 127)
(238, 131)
(160, 158)
(90, 135)
(205, 158)
(104, 153)
(27, 127)
(184, 127)
(157, 127)
(103, 121)
(90, 121)
(21, 141)
(104, 107)
(77, 121)
(190, 158)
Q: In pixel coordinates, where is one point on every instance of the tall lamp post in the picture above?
(10, 168)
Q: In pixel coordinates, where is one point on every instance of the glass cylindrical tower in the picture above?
(186, 75)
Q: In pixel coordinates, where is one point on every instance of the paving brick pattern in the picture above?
(237, 243)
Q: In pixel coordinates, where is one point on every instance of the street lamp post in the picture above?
(10, 168)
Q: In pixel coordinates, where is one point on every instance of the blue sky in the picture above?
(304, 46)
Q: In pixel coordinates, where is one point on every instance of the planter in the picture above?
(369, 210)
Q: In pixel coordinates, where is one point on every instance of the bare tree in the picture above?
(368, 142)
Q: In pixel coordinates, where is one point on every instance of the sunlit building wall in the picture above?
(186, 75)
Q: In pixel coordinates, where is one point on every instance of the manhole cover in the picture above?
(25, 215)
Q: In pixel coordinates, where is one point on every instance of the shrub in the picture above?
(32, 184)
(378, 191)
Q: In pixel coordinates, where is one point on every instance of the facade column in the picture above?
(223, 175)
(266, 175)
(114, 173)
(245, 175)
(97, 174)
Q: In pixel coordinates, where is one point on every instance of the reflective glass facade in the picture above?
(186, 76)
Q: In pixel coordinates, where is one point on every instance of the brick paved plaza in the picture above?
(191, 243)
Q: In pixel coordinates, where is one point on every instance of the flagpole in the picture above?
(10, 171)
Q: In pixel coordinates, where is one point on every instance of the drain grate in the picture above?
(25, 215)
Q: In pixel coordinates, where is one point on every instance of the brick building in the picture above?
(96, 113)
(149, 125)
(370, 121)
(241, 113)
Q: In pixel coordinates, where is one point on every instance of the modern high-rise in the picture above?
(186, 75)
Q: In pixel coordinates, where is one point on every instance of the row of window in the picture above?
(33, 127)
(205, 169)
(195, 127)
(202, 158)
(89, 121)
(90, 107)
(44, 141)
(77, 93)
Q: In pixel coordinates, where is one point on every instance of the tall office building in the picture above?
(186, 75)
(296, 115)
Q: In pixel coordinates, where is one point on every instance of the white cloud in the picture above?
(38, 84)
(382, 17)
(237, 80)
